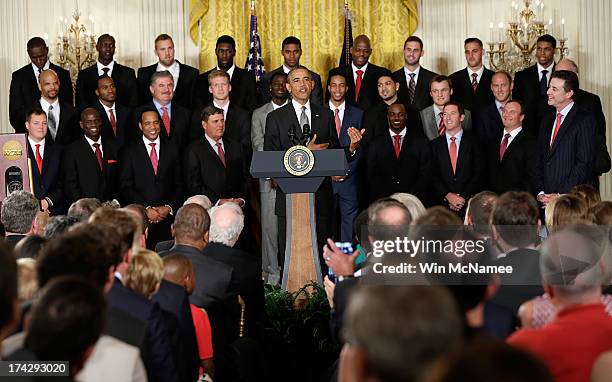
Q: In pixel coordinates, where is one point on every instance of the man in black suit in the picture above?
(46, 158)
(24, 90)
(184, 76)
(566, 144)
(512, 160)
(244, 90)
(61, 116)
(123, 77)
(215, 165)
(361, 76)
(530, 84)
(151, 176)
(291, 50)
(458, 162)
(292, 118)
(399, 161)
(488, 126)
(116, 118)
(414, 79)
(472, 85)
(90, 166)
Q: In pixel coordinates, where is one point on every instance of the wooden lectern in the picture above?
(14, 166)
(301, 252)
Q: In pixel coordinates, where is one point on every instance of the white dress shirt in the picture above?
(340, 108)
(45, 67)
(563, 112)
(99, 141)
(298, 111)
(107, 110)
(355, 69)
(147, 144)
(457, 140)
(548, 74)
(275, 106)
(513, 135)
(56, 110)
(401, 133)
(101, 67)
(407, 74)
(230, 71)
(174, 69)
(224, 108)
(478, 73)
(499, 106)
(41, 149)
(437, 110)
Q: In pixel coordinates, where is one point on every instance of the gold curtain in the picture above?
(319, 24)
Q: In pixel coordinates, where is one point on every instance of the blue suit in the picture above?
(345, 193)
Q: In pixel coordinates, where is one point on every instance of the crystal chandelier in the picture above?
(76, 46)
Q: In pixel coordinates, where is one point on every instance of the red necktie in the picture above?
(38, 159)
(338, 123)
(113, 121)
(98, 155)
(397, 144)
(166, 119)
(453, 154)
(153, 157)
(441, 126)
(557, 127)
(221, 153)
(358, 84)
(504, 146)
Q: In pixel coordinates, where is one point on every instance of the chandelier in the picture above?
(76, 45)
(511, 48)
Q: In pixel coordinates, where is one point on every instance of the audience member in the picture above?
(567, 209)
(602, 213)
(83, 208)
(411, 202)
(478, 212)
(26, 279)
(59, 224)
(18, 215)
(30, 247)
(588, 193)
(145, 273)
(602, 368)
(9, 299)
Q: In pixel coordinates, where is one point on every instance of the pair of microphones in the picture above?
(306, 135)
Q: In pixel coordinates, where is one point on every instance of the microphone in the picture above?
(292, 134)
(307, 133)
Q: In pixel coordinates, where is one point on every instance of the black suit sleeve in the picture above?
(16, 106)
(70, 178)
(127, 184)
(272, 134)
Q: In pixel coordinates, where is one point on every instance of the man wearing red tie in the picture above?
(45, 157)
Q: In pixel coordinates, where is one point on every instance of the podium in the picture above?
(301, 251)
(15, 172)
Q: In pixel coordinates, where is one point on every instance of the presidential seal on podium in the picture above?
(299, 160)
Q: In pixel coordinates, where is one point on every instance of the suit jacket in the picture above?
(430, 127)
(237, 125)
(258, 130)
(464, 93)
(184, 92)
(180, 134)
(81, 173)
(125, 81)
(592, 103)
(368, 94)
(139, 184)
(244, 89)
(126, 131)
(316, 97)
(352, 118)
(376, 123)
(24, 92)
(422, 99)
(410, 173)
(488, 126)
(517, 170)
(205, 174)
(569, 161)
(468, 178)
(527, 89)
(47, 184)
(68, 128)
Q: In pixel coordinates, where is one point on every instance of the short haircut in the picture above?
(441, 78)
(512, 211)
(145, 272)
(59, 224)
(26, 278)
(602, 213)
(413, 39)
(36, 110)
(411, 202)
(588, 193)
(566, 209)
(104, 37)
(470, 40)
(456, 103)
(103, 77)
(36, 42)
(163, 37)
(67, 319)
(19, 209)
(548, 38)
(400, 328)
(225, 39)
(8, 284)
(296, 68)
(505, 73)
(337, 75)
(479, 211)
(83, 251)
(226, 224)
(202, 200)
(518, 102)
(191, 222)
(391, 77)
(279, 74)
(122, 225)
(84, 207)
(291, 40)
(208, 111)
(218, 73)
(161, 74)
(147, 110)
(176, 267)
(570, 80)
(30, 247)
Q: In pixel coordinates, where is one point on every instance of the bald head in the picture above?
(176, 268)
(49, 84)
(567, 64)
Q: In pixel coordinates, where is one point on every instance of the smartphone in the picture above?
(347, 248)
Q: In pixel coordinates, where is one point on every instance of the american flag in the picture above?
(254, 62)
(345, 57)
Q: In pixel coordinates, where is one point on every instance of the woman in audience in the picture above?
(564, 210)
(30, 247)
(587, 193)
(145, 273)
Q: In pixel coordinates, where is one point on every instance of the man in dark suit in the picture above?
(184, 76)
(458, 162)
(566, 144)
(530, 84)
(24, 90)
(488, 126)
(399, 161)
(116, 118)
(46, 158)
(414, 79)
(512, 160)
(244, 90)
(293, 117)
(61, 116)
(361, 76)
(291, 50)
(346, 200)
(215, 165)
(123, 77)
(90, 167)
(472, 85)
(151, 176)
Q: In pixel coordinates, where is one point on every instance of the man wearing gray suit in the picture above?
(267, 192)
(440, 89)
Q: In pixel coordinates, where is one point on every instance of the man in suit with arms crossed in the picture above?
(413, 78)
(116, 118)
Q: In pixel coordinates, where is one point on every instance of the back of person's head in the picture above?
(66, 321)
(83, 208)
(86, 250)
(19, 210)
(59, 224)
(438, 216)
(141, 212)
(588, 193)
(30, 247)
(9, 309)
(602, 213)
(479, 211)
(179, 270)
(411, 202)
(515, 218)
(26, 278)
(226, 223)
(566, 209)
(191, 223)
(395, 332)
(145, 272)
(123, 224)
(202, 200)
(489, 360)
